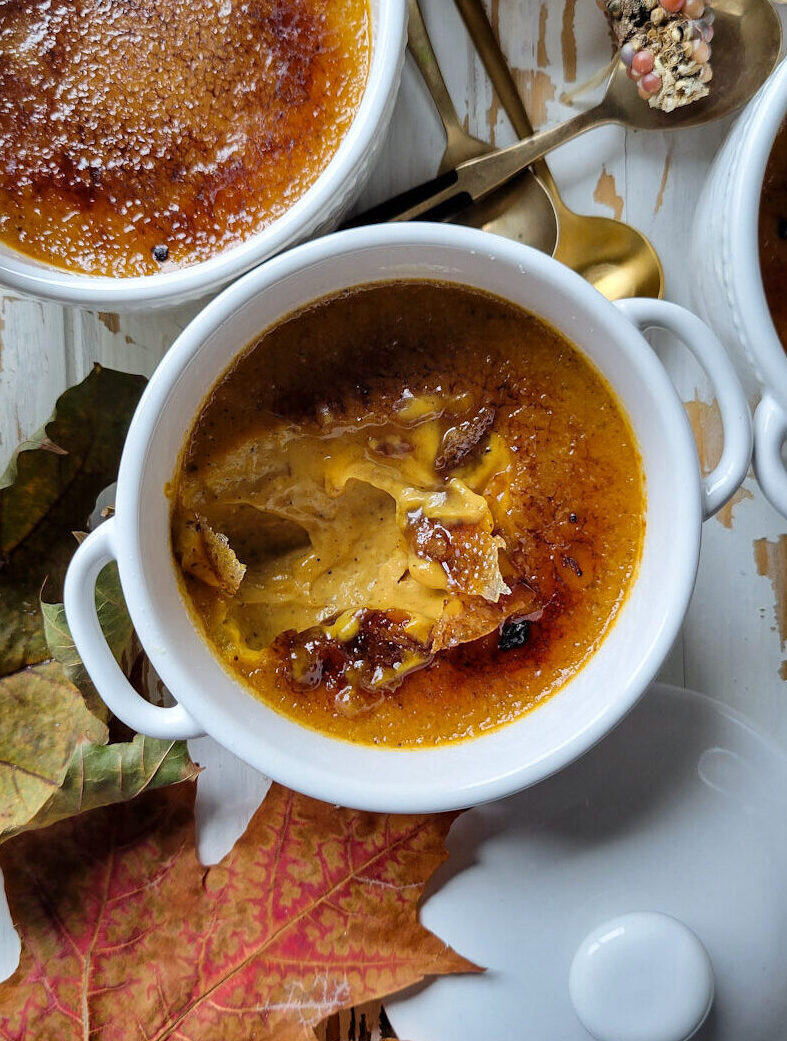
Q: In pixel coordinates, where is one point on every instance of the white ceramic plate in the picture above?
(680, 811)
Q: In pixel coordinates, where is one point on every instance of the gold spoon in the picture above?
(746, 47)
(614, 257)
(520, 210)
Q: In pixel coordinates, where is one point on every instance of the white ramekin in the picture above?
(209, 699)
(319, 209)
(727, 285)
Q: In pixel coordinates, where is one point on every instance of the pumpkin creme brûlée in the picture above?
(408, 513)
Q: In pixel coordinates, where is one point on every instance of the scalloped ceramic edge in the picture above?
(318, 210)
(676, 813)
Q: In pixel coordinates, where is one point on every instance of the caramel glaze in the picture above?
(575, 522)
(180, 126)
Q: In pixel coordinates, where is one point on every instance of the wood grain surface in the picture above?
(734, 641)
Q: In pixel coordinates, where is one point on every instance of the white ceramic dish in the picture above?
(677, 814)
(210, 699)
(319, 209)
(727, 285)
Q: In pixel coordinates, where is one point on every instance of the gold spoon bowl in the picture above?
(614, 257)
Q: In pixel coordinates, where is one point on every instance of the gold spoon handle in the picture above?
(480, 176)
(491, 53)
(444, 196)
(459, 144)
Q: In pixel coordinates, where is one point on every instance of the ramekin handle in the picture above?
(79, 600)
(770, 433)
(728, 475)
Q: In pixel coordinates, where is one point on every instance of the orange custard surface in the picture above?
(141, 137)
(408, 514)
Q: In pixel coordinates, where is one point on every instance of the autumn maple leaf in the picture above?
(126, 936)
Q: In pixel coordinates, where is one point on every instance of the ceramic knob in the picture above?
(641, 977)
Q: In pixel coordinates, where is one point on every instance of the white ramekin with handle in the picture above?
(727, 285)
(319, 209)
(211, 700)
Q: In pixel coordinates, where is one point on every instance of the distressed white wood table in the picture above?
(734, 641)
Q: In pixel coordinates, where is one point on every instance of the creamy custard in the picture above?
(408, 514)
(139, 137)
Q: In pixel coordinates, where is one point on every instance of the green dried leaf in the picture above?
(52, 491)
(115, 624)
(43, 720)
(54, 758)
(100, 775)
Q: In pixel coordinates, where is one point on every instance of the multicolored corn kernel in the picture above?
(665, 47)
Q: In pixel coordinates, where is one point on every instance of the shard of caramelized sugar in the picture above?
(206, 554)
(466, 553)
(470, 618)
(461, 441)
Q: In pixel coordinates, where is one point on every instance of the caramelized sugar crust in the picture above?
(439, 504)
(127, 125)
(773, 234)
